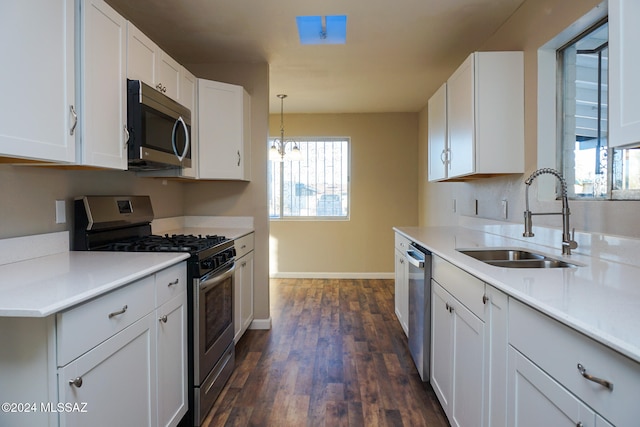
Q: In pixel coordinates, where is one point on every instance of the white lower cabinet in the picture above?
(457, 358)
(402, 281)
(468, 347)
(172, 367)
(114, 383)
(243, 286)
(582, 382)
(115, 360)
(535, 399)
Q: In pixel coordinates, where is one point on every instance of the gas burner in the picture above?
(167, 243)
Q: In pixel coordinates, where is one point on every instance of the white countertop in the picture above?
(600, 298)
(43, 286)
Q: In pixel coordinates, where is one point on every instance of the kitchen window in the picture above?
(314, 187)
(592, 169)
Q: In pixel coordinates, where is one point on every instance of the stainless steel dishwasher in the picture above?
(420, 308)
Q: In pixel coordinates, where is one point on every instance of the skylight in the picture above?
(322, 29)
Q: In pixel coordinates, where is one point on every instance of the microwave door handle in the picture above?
(173, 139)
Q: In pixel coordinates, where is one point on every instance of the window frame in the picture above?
(280, 166)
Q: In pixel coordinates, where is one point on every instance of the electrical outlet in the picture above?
(61, 212)
(505, 212)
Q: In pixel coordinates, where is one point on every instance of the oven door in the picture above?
(214, 319)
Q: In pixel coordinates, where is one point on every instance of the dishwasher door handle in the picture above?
(415, 259)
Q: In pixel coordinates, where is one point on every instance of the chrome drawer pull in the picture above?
(163, 319)
(119, 312)
(603, 383)
(175, 282)
(76, 382)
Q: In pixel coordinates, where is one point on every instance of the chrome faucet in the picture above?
(567, 239)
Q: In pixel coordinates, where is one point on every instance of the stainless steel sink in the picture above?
(515, 258)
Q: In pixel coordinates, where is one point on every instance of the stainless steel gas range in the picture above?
(123, 223)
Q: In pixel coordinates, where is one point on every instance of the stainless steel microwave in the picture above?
(159, 129)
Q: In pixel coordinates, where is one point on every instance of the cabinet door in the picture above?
(103, 89)
(38, 81)
(168, 76)
(624, 68)
(438, 153)
(220, 130)
(118, 380)
(243, 295)
(467, 401)
(187, 97)
(535, 399)
(141, 56)
(246, 269)
(172, 360)
(461, 119)
(441, 346)
(402, 290)
(497, 351)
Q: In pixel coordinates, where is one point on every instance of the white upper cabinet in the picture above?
(224, 131)
(147, 62)
(437, 109)
(38, 94)
(102, 89)
(624, 69)
(484, 119)
(188, 94)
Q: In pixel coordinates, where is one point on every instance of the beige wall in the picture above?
(384, 193)
(533, 25)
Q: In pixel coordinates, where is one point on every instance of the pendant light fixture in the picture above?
(278, 150)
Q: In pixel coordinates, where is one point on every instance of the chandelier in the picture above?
(278, 151)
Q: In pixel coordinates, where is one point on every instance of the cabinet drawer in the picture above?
(466, 288)
(558, 349)
(402, 243)
(170, 282)
(243, 245)
(83, 327)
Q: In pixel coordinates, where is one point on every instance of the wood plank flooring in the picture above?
(336, 356)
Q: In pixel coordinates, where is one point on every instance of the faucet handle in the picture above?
(573, 244)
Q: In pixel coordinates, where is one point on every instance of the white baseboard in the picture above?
(305, 275)
(264, 324)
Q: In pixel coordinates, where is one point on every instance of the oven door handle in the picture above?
(217, 278)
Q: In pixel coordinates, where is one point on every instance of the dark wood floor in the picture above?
(335, 356)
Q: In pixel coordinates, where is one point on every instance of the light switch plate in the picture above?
(61, 212)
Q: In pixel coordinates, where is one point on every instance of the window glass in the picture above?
(316, 186)
(596, 171)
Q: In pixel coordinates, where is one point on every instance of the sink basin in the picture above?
(515, 258)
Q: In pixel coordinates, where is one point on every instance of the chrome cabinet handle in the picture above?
(603, 383)
(442, 156)
(175, 282)
(119, 312)
(76, 382)
(72, 110)
(449, 307)
(485, 299)
(239, 158)
(163, 319)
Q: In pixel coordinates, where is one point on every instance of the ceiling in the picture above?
(396, 55)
